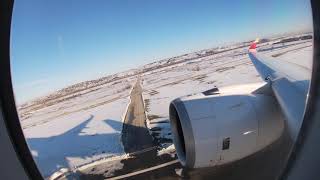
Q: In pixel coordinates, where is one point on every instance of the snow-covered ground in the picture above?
(232, 67)
(80, 130)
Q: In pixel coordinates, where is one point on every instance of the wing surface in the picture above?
(289, 81)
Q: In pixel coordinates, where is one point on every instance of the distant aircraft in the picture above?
(231, 123)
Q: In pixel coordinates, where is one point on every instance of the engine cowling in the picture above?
(220, 127)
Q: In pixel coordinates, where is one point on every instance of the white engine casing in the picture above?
(215, 129)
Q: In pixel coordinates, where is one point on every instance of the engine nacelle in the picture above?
(220, 127)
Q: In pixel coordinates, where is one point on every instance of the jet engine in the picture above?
(221, 126)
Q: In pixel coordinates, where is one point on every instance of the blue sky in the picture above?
(60, 42)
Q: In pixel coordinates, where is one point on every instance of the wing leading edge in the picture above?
(290, 84)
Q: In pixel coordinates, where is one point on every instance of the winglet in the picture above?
(253, 45)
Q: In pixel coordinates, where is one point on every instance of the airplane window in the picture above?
(162, 89)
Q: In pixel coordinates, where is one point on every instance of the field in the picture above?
(79, 130)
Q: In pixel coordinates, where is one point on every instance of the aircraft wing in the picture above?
(237, 121)
(289, 81)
